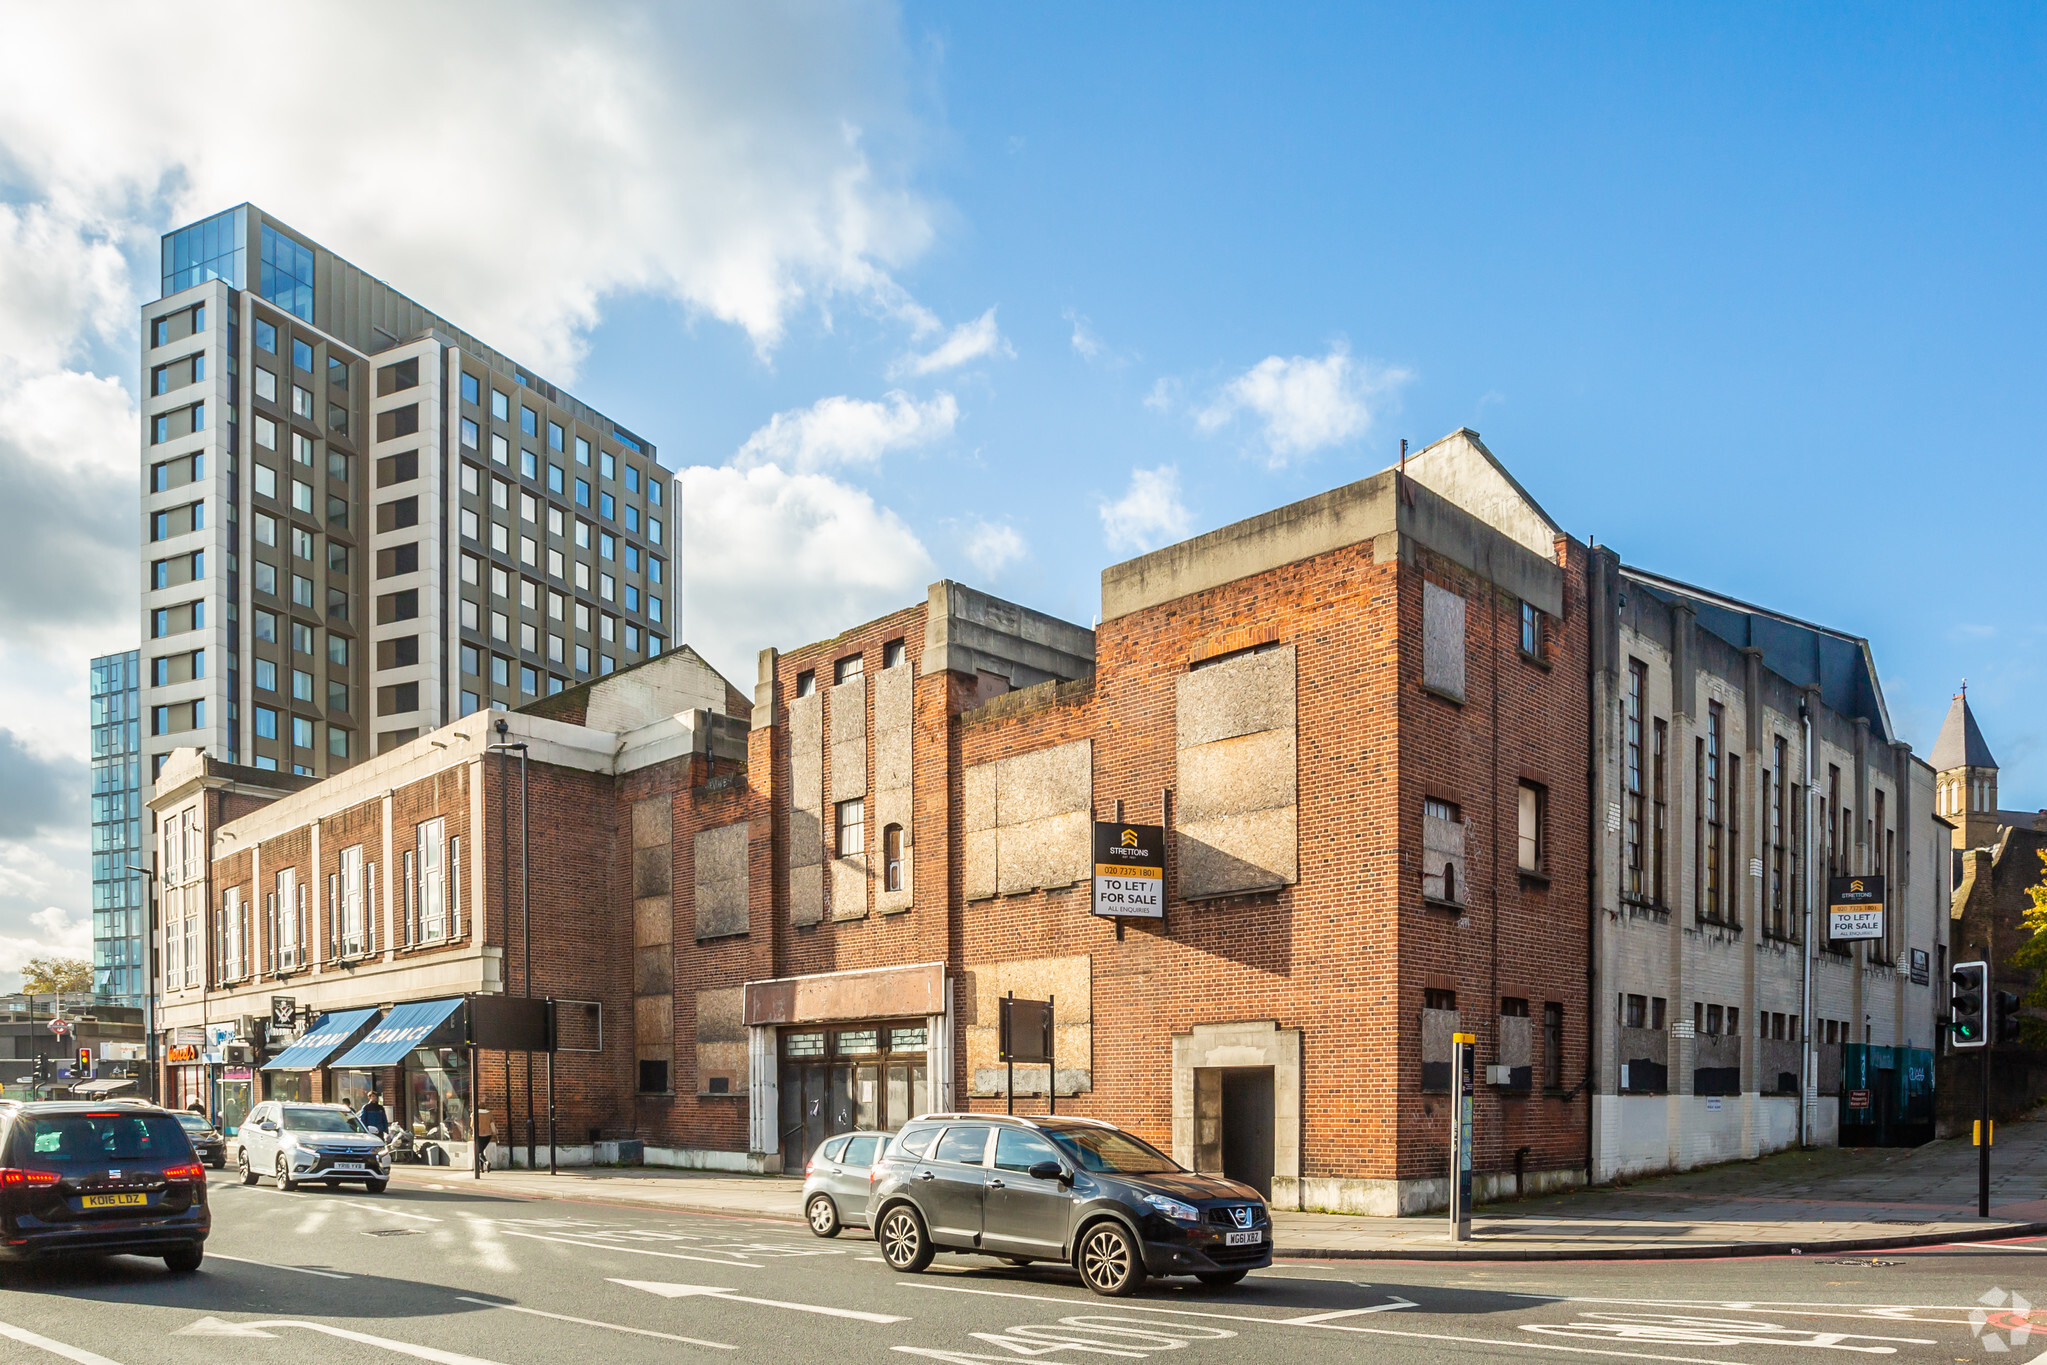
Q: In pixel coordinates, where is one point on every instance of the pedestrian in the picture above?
(373, 1116)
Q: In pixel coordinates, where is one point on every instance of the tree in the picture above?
(47, 975)
(2032, 956)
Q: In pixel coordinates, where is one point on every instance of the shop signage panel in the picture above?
(1855, 907)
(1130, 870)
(183, 1052)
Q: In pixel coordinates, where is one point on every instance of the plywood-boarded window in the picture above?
(1238, 813)
(1442, 641)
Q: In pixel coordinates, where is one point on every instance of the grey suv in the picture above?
(302, 1142)
(1061, 1189)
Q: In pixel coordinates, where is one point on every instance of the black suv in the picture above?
(86, 1179)
(1061, 1189)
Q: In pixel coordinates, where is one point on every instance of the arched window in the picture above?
(892, 858)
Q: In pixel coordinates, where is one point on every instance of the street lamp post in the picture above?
(149, 989)
(507, 748)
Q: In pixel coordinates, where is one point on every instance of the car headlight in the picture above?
(1173, 1208)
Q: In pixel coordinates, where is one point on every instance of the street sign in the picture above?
(1922, 967)
(1855, 907)
(1858, 1099)
(1130, 870)
(1025, 1035)
(60, 1026)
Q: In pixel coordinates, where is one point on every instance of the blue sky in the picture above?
(1753, 296)
(1009, 293)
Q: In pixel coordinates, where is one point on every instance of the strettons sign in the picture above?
(1855, 907)
(1130, 870)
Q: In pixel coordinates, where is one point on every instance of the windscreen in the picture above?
(1111, 1152)
(194, 1123)
(92, 1142)
(319, 1121)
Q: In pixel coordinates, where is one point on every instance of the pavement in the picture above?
(1831, 1200)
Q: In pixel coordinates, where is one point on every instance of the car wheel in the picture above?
(242, 1166)
(822, 1215)
(1220, 1277)
(219, 1165)
(376, 1186)
(905, 1245)
(284, 1180)
(184, 1260)
(1109, 1261)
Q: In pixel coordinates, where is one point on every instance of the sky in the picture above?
(1008, 293)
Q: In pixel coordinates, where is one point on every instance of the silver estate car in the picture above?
(835, 1183)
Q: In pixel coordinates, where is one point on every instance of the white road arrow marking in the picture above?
(685, 1291)
(215, 1327)
(75, 1354)
(1396, 1303)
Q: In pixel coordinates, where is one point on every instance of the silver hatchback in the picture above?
(835, 1183)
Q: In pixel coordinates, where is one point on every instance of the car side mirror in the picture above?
(1048, 1170)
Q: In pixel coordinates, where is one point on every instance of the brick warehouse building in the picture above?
(1363, 718)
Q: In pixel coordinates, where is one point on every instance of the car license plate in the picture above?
(348, 1166)
(1243, 1239)
(114, 1201)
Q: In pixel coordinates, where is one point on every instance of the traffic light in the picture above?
(42, 1069)
(84, 1063)
(2006, 1016)
(1965, 1007)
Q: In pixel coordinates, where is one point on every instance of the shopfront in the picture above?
(866, 1075)
(424, 1040)
(185, 1079)
(288, 1075)
(846, 1050)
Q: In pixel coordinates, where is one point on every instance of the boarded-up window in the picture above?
(1027, 820)
(1439, 1024)
(1237, 805)
(1442, 641)
(722, 883)
(1442, 852)
(1515, 1043)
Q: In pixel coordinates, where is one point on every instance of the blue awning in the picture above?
(404, 1028)
(330, 1032)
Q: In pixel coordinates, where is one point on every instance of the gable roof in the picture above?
(1961, 744)
(1460, 468)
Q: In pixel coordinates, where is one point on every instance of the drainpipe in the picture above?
(1805, 1057)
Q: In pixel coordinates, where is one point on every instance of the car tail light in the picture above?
(185, 1175)
(810, 1168)
(13, 1177)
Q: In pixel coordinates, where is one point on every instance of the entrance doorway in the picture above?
(1247, 1126)
(836, 1080)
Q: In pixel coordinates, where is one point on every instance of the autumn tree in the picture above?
(48, 975)
(2032, 956)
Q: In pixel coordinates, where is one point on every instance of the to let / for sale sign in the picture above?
(1855, 907)
(1130, 870)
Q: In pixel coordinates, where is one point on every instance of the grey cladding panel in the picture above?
(723, 881)
(806, 781)
(1237, 775)
(1029, 821)
(849, 740)
(892, 728)
(1442, 640)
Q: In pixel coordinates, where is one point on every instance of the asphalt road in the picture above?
(459, 1277)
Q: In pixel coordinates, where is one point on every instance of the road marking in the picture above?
(636, 1251)
(55, 1348)
(1508, 1342)
(1987, 1246)
(1397, 1303)
(608, 1326)
(685, 1291)
(386, 1208)
(216, 1327)
(303, 1270)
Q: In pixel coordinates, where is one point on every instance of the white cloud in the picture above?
(1087, 342)
(1149, 514)
(967, 342)
(993, 546)
(1163, 394)
(778, 558)
(1303, 404)
(515, 163)
(848, 431)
